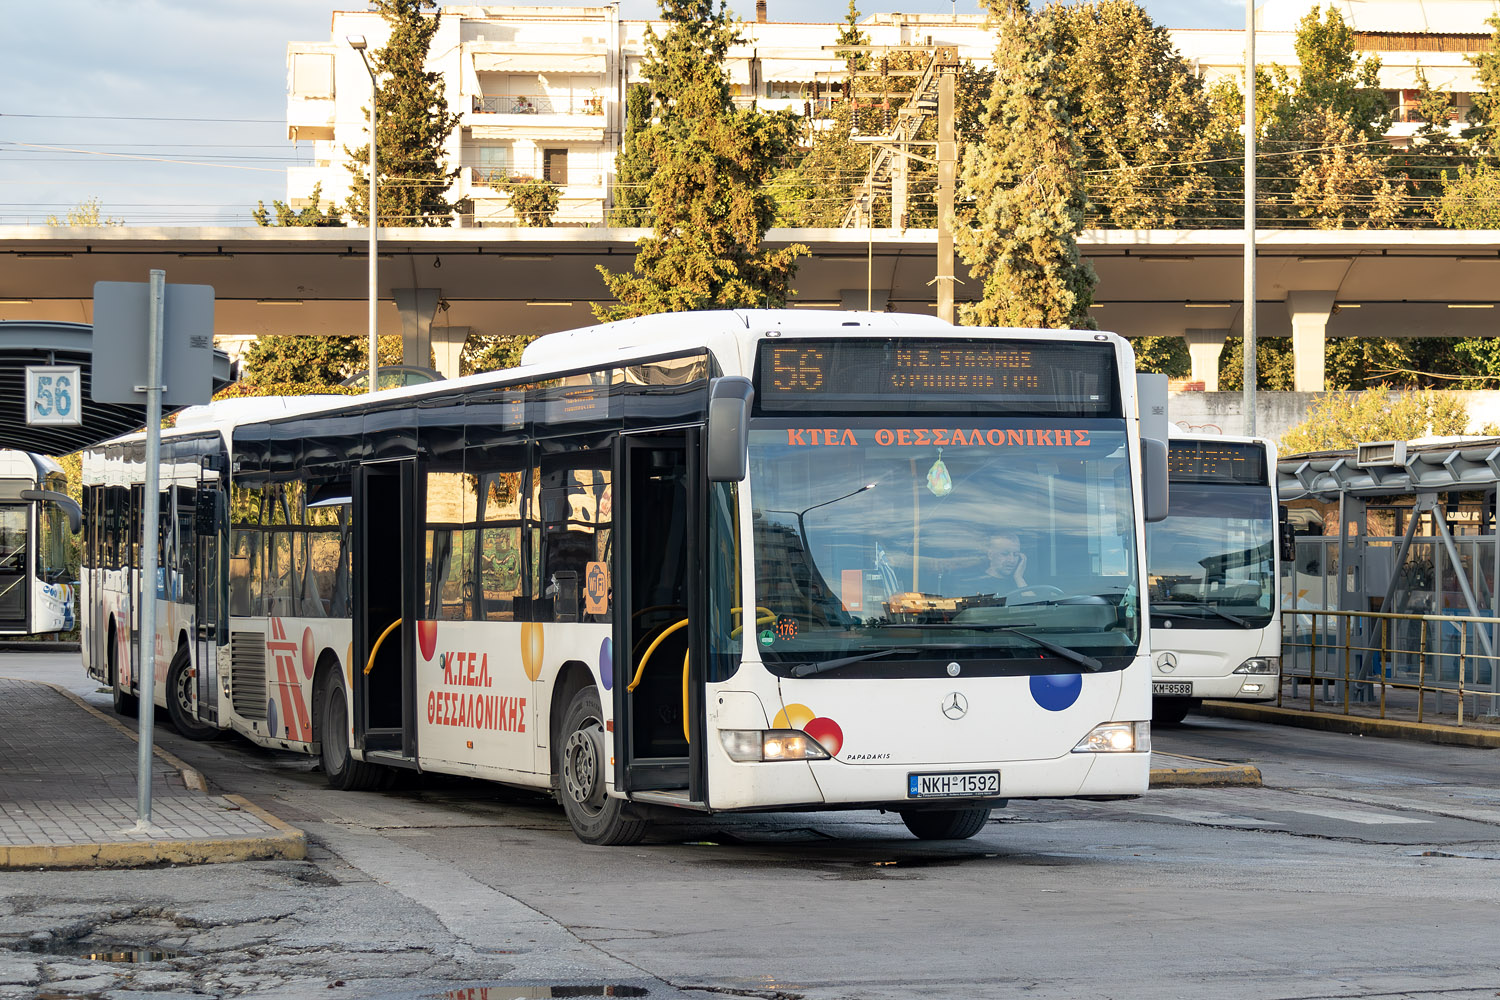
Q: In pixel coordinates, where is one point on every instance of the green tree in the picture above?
(1140, 114)
(533, 201)
(295, 365)
(487, 354)
(1339, 420)
(1024, 197)
(1470, 198)
(1274, 368)
(630, 198)
(1162, 356)
(313, 214)
(818, 188)
(1484, 112)
(412, 125)
(85, 213)
(1322, 133)
(708, 202)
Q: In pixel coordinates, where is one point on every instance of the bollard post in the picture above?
(1422, 670)
(1463, 645)
(1347, 681)
(1312, 666)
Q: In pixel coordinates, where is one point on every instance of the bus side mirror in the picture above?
(728, 459)
(69, 507)
(1154, 479)
(1285, 536)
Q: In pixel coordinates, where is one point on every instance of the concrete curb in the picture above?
(40, 646)
(1423, 732)
(1203, 774)
(287, 843)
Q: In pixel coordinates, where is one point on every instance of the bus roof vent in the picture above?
(1384, 454)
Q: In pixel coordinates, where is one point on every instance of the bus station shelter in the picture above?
(1399, 527)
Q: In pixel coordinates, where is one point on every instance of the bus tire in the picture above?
(946, 824)
(125, 703)
(339, 767)
(1171, 711)
(179, 700)
(595, 817)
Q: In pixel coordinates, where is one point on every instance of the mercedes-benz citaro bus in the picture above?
(1213, 567)
(38, 589)
(722, 561)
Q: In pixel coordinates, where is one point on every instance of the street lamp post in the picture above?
(802, 527)
(358, 44)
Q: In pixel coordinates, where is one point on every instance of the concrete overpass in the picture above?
(439, 285)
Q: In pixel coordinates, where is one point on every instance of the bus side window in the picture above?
(499, 539)
(577, 514)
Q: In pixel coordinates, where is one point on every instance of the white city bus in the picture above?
(1213, 567)
(38, 592)
(716, 561)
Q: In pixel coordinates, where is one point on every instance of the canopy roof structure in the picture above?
(26, 343)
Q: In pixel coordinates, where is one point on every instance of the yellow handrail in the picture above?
(370, 665)
(685, 734)
(636, 680)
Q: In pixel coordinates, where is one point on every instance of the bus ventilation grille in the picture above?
(247, 674)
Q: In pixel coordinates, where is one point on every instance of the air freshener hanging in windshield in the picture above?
(938, 480)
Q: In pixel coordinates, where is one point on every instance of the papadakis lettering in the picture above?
(943, 437)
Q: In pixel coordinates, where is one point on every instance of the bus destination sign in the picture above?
(1217, 462)
(1025, 374)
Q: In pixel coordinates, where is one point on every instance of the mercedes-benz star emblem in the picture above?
(955, 705)
(1166, 662)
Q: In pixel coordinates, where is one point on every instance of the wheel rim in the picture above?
(182, 693)
(583, 778)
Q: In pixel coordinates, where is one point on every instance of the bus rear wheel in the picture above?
(180, 680)
(595, 817)
(125, 703)
(946, 824)
(339, 767)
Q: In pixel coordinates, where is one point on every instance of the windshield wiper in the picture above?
(824, 666)
(1206, 607)
(1082, 659)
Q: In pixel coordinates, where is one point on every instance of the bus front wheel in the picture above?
(595, 817)
(125, 703)
(946, 824)
(1171, 711)
(339, 767)
(180, 681)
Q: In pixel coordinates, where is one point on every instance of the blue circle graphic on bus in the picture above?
(1055, 692)
(271, 727)
(607, 663)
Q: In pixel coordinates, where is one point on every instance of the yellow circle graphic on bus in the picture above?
(793, 717)
(531, 649)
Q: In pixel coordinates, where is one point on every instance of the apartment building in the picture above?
(541, 90)
(541, 93)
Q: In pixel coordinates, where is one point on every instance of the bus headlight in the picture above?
(1260, 665)
(1117, 737)
(770, 744)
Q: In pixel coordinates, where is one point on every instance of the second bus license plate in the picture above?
(1177, 689)
(963, 784)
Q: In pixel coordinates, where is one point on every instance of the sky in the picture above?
(173, 112)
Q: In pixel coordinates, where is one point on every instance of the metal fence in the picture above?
(1434, 668)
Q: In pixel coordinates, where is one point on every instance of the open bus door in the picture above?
(659, 716)
(387, 571)
(15, 593)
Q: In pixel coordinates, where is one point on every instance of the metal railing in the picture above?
(1390, 665)
(490, 177)
(538, 104)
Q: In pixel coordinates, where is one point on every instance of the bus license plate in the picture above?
(1172, 689)
(967, 784)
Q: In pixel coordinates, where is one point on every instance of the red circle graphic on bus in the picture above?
(308, 650)
(827, 733)
(427, 638)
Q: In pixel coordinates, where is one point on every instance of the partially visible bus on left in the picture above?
(38, 592)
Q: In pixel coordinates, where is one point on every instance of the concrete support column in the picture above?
(418, 306)
(447, 345)
(1309, 312)
(1204, 347)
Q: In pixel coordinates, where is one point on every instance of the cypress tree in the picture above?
(708, 163)
(1026, 201)
(412, 124)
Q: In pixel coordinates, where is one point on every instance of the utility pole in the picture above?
(947, 158)
(1248, 402)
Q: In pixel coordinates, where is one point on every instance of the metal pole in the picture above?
(1249, 308)
(150, 530)
(947, 180)
(357, 42)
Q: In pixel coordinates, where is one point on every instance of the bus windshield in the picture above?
(954, 538)
(1214, 552)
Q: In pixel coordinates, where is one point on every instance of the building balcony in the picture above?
(522, 116)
